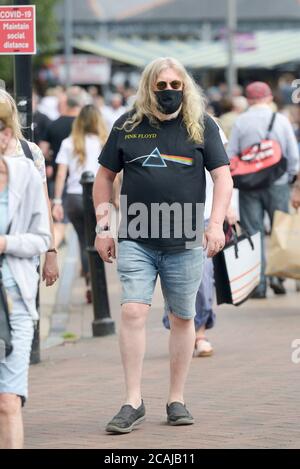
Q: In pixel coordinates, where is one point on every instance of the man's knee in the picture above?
(10, 404)
(134, 313)
(180, 322)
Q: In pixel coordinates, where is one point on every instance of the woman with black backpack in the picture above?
(16, 146)
(24, 235)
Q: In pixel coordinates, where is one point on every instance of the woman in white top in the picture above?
(79, 153)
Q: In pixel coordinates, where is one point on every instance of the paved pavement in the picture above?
(245, 396)
(56, 301)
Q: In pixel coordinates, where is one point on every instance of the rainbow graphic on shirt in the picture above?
(158, 160)
(179, 159)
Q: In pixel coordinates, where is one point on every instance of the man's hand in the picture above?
(295, 198)
(49, 172)
(50, 269)
(214, 239)
(2, 244)
(105, 246)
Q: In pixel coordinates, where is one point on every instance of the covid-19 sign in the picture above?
(17, 30)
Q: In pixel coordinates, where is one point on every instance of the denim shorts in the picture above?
(180, 276)
(14, 368)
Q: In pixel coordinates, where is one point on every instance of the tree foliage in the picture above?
(47, 30)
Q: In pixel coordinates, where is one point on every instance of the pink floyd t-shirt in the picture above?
(162, 165)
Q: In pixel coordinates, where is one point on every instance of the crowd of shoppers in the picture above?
(167, 144)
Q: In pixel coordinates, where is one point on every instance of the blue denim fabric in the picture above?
(205, 315)
(14, 369)
(253, 205)
(180, 275)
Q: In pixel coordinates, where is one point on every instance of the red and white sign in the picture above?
(85, 69)
(17, 30)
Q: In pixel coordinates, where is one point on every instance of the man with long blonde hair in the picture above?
(163, 145)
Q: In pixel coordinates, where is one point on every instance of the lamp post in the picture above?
(231, 30)
(23, 97)
(23, 87)
(103, 323)
(68, 35)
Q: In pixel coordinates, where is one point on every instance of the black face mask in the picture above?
(169, 100)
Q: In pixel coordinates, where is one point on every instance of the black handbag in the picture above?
(6, 346)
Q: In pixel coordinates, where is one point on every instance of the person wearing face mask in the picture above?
(163, 144)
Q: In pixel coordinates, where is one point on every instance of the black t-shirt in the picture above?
(41, 123)
(162, 165)
(56, 132)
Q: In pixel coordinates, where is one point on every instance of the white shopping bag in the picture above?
(237, 269)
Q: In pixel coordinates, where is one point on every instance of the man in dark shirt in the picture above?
(60, 129)
(40, 122)
(163, 146)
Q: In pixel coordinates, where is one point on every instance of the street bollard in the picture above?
(102, 324)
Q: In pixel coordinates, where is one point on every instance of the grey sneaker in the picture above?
(178, 414)
(126, 419)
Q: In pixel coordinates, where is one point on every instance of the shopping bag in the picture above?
(259, 165)
(237, 269)
(283, 259)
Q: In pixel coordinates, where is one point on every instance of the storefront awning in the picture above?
(258, 50)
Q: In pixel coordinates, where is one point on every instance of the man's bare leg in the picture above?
(132, 340)
(181, 346)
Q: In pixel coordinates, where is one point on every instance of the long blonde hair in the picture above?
(89, 121)
(193, 105)
(6, 98)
